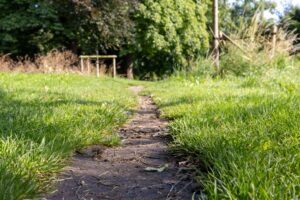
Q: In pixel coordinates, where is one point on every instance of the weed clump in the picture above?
(255, 51)
(52, 62)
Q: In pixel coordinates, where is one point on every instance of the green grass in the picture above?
(244, 133)
(44, 118)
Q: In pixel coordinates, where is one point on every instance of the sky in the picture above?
(281, 4)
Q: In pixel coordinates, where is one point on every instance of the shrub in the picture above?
(170, 34)
(201, 68)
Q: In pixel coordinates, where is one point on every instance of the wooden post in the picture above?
(274, 39)
(81, 65)
(114, 67)
(88, 66)
(216, 51)
(97, 64)
(129, 65)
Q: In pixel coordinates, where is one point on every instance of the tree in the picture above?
(30, 27)
(108, 24)
(156, 35)
(27, 26)
(292, 17)
(235, 15)
(170, 34)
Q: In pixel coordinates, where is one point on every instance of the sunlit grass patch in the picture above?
(45, 118)
(244, 132)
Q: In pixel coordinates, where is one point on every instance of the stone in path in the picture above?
(131, 171)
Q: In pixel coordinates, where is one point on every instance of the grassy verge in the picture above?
(44, 118)
(244, 132)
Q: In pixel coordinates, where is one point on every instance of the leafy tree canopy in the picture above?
(293, 18)
(106, 25)
(27, 26)
(34, 26)
(238, 14)
(170, 33)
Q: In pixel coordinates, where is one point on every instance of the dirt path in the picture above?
(129, 171)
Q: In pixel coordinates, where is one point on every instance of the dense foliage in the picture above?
(170, 33)
(30, 27)
(292, 18)
(107, 25)
(26, 27)
(154, 36)
(167, 34)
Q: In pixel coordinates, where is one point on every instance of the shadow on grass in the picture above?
(35, 119)
(45, 133)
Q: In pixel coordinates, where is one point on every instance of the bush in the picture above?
(234, 62)
(170, 34)
(201, 68)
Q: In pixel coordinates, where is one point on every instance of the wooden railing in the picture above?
(97, 58)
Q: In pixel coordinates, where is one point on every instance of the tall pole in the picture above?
(216, 51)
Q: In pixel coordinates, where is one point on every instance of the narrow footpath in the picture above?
(140, 169)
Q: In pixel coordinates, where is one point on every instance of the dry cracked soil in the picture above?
(141, 168)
